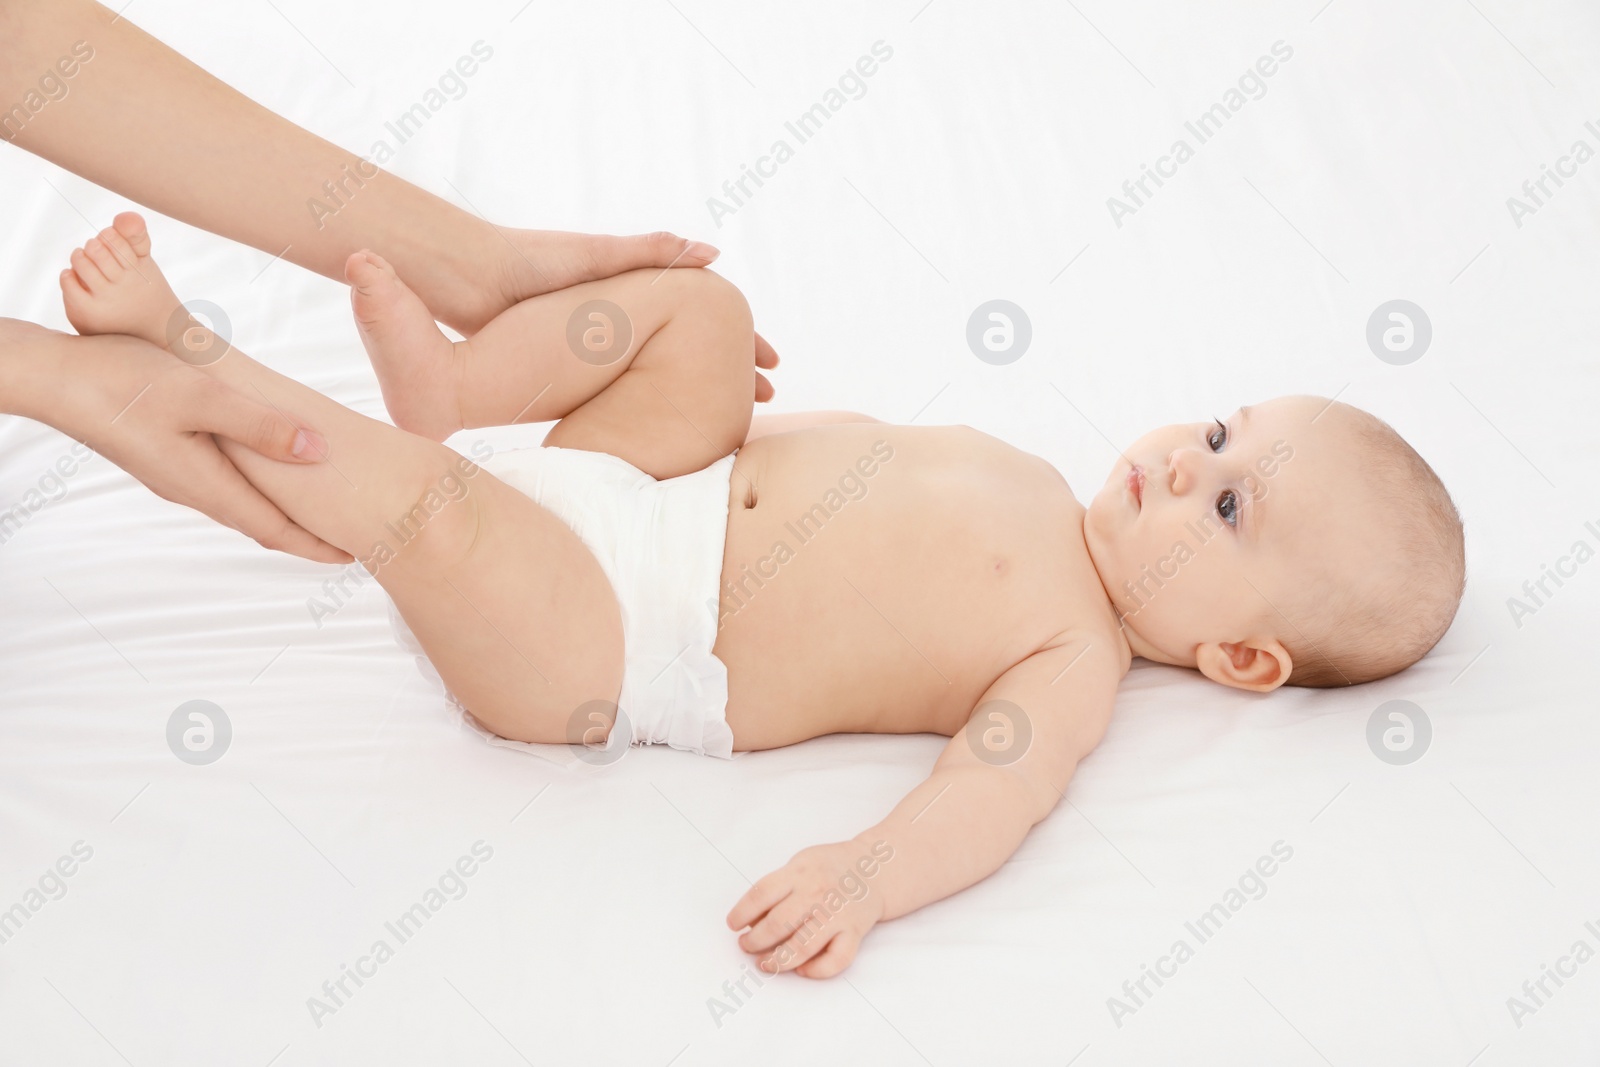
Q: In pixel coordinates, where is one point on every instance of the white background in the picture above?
(976, 166)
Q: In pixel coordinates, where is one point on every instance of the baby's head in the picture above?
(1297, 541)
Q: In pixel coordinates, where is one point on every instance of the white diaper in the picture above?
(660, 544)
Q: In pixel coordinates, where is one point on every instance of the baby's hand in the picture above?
(810, 915)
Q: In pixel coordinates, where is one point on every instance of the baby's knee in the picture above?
(726, 300)
(441, 525)
(712, 300)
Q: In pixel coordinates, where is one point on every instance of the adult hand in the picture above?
(534, 262)
(465, 269)
(154, 415)
(766, 359)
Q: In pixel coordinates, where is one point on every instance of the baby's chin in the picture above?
(1101, 534)
(1102, 506)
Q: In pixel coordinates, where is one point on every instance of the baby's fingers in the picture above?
(840, 953)
(807, 941)
(796, 913)
(758, 901)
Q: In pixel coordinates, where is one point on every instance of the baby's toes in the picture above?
(130, 227)
(89, 275)
(382, 264)
(118, 245)
(360, 270)
(71, 287)
(104, 258)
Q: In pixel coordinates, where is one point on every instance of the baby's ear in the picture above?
(1260, 664)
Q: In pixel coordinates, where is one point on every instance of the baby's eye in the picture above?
(1218, 437)
(1228, 507)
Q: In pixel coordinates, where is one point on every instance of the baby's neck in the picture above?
(1136, 642)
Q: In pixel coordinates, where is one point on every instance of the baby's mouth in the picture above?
(1136, 485)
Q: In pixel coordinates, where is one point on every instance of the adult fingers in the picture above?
(259, 427)
(766, 359)
(223, 493)
(766, 355)
(611, 256)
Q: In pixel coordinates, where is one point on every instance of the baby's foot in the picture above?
(115, 287)
(416, 364)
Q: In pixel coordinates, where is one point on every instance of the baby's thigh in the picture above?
(685, 399)
(518, 617)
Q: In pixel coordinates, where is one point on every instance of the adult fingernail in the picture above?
(308, 445)
(701, 250)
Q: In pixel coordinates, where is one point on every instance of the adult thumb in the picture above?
(659, 249)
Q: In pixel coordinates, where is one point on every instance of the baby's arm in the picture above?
(993, 782)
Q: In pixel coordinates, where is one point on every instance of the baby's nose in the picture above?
(1180, 470)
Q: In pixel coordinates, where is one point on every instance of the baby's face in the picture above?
(1205, 531)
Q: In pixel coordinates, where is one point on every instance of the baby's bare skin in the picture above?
(894, 612)
(958, 577)
(884, 579)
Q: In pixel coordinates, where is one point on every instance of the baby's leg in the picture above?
(509, 605)
(656, 367)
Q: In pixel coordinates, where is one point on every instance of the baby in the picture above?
(665, 570)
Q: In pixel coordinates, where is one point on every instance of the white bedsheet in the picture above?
(977, 165)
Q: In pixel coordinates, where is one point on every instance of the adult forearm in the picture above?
(952, 831)
(33, 382)
(139, 119)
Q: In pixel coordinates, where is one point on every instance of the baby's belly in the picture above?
(845, 605)
(814, 646)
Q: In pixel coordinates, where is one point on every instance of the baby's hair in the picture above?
(1364, 627)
